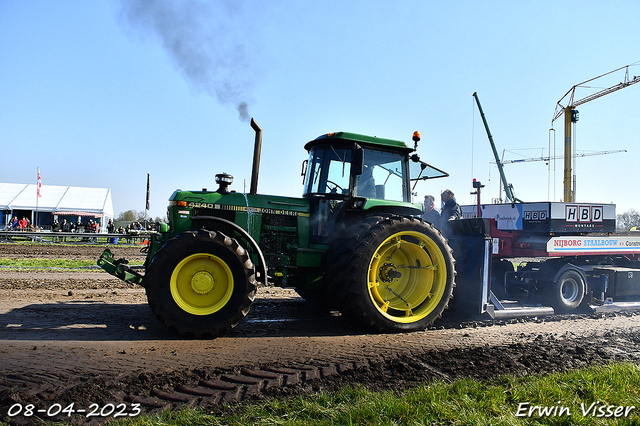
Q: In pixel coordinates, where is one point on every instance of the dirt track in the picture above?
(82, 337)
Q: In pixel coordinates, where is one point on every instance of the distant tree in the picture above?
(130, 216)
(627, 220)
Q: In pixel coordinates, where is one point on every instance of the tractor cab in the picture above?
(348, 174)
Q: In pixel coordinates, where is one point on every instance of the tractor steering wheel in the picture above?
(335, 188)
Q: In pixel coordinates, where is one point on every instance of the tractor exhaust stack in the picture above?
(256, 157)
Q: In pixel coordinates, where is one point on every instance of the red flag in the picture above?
(39, 183)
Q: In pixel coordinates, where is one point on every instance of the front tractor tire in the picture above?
(201, 283)
(399, 275)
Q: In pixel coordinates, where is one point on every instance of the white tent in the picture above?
(56, 200)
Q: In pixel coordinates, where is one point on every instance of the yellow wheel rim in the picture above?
(201, 284)
(407, 277)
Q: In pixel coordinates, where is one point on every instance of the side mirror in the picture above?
(357, 160)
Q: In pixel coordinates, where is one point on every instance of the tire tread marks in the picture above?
(240, 386)
(222, 388)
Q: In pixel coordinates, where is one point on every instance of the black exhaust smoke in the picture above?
(203, 41)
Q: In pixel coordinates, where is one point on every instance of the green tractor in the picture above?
(354, 240)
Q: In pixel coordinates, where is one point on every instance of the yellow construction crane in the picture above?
(571, 116)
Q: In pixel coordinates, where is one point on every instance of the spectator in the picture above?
(55, 228)
(110, 229)
(450, 211)
(430, 214)
(87, 228)
(95, 228)
(450, 208)
(66, 227)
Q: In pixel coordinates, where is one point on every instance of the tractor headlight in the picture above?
(358, 203)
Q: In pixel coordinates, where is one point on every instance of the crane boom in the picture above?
(584, 154)
(508, 188)
(571, 93)
(570, 117)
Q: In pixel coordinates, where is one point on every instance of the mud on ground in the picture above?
(85, 338)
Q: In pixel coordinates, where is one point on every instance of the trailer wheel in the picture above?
(567, 292)
(201, 283)
(400, 274)
(499, 269)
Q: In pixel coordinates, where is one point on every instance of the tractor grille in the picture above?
(213, 225)
(279, 220)
(279, 239)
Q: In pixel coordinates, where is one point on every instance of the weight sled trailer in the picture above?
(543, 258)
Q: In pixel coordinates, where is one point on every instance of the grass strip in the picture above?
(36, 263)
(590, 396)
(46, 263)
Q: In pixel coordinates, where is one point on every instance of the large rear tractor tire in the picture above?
(398, 274)
(201, 283)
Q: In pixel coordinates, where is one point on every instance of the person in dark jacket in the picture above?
(450, 211)
(66, 227)
(55, 227)
(450, 208)
(430, 214)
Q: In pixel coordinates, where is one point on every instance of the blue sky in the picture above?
(101, 93)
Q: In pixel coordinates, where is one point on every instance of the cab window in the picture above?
(329, 171)
(382, 176)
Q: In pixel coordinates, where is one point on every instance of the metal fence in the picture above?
(44, 236)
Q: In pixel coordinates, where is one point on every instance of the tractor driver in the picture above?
(365, 184)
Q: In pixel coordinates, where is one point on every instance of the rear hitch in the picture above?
(119, 268)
